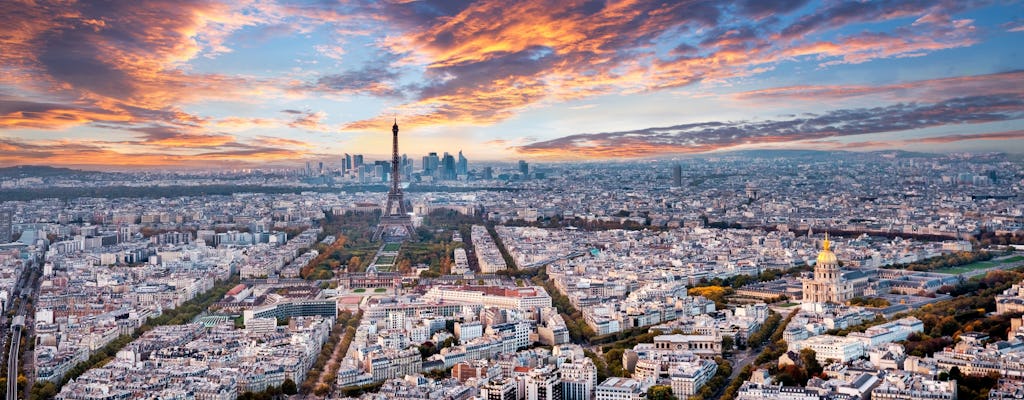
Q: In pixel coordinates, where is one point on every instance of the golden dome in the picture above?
(827, 256)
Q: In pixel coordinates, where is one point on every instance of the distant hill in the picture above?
(40, 171)
(904, 154)
(780, 153)
(818, 154)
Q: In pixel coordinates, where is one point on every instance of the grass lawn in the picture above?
(385, 260)
(392, 247)
(379, 290)
(980, 265)
(968, 268)
(359, 290)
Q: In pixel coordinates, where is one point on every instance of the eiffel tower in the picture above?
(396, 222)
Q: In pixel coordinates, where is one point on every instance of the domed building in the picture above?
(829, 285)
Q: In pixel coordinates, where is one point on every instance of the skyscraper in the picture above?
(380, 169)
(677, 175)
(430, 163)
(524, 169)
(6, 231)
(462, 167)
(346, 164)
(488, 173)
(448, 167)
(357, 160)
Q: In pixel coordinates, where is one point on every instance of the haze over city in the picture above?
(249, 83)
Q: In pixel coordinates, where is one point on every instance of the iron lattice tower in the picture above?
(395, 222)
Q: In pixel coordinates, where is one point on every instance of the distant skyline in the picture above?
(259, 83)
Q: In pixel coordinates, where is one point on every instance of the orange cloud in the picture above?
(57, 118)
(122, 62)
(281, 142)
(193, 140)
(84, 153)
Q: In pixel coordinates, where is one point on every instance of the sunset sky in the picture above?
(250, 83)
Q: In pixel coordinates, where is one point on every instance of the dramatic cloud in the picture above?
(922, 90)
(487, 61)
(1017, 25)
(120, 62)
(20, 113)
(709, 136)
(172, 137)
(308, 120)
(997, 136)
(377, 81)
(843, 13)
(764, 8)
(222, 79)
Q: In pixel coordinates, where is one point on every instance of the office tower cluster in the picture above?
(446, 167)
(433, 167)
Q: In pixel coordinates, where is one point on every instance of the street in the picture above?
(17, 329)
(12, 364)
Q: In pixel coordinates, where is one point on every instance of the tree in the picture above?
(727, 343)
(791, 375)
(405, 266)
(44, 390)
(660, 392)
(810, 360)
(954, 374)
(613, 359)
(288, 387)
(321, 389)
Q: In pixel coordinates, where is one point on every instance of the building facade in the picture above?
(828, 284)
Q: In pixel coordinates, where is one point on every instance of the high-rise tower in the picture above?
(6, 233)
(395, 222)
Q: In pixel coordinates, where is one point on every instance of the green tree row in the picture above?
(776, 348)
(579, 331)
(716, 384)
(341, 335)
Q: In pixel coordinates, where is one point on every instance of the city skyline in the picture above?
(180, 84)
